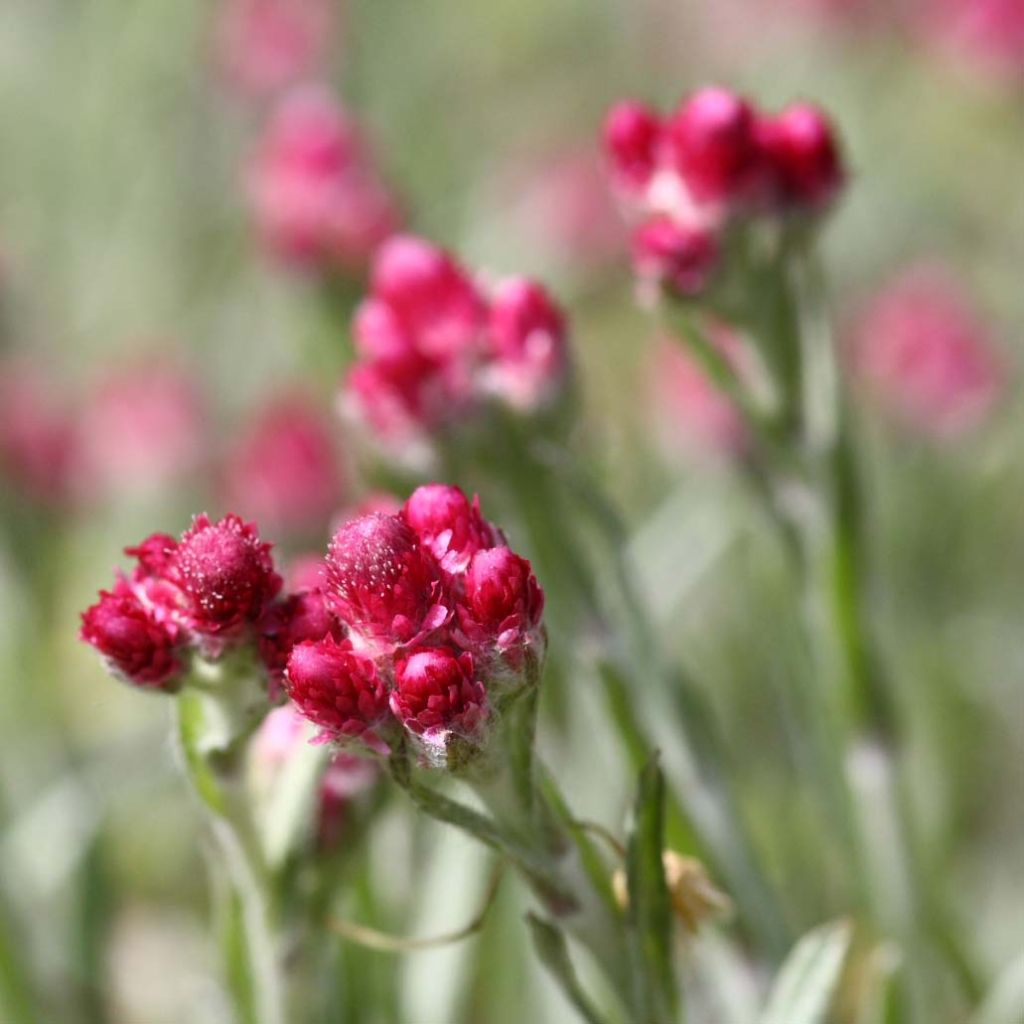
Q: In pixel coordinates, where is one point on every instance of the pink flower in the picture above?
(284, 471)
(382, 583)
(448, 525)
(436, 694)
(136, 645)
(679, 257)
(528, 344)
(711, 143)
(142, 430)
(429, 296)
(267, 44)
(39, 445)
(632, 138)
(300, 616)
(697, 417)
(988, 32)
(337, 689)
(924, 352)
(317, 199)
(503, 602)
(803, 165)
(225, 573)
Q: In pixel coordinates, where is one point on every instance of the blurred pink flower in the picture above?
(284, 470)
(316, 196)
(989, 33)
(142, 430)
(696, 418)
(39, 445)
(264, 45)
(923, 351)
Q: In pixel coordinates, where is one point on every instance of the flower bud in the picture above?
(316, 197)
(284, 471)
(337, 689)
(527, 342)
(430, 295)
(802, 157)
(136, 645)
(225, 573)
(680, 257)
(711, 143)
(436, 695)
(632, 135)
(381, 583)
(503, 602)
(299, 617)
(448, 525)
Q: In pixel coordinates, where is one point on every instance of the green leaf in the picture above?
(554, 954)
(807, 981)
(192, 733)
(649, 914)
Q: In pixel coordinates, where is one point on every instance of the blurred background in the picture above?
(157, 341)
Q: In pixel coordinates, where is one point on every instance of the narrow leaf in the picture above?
(554, 954)
(807, 981)
(649, 914)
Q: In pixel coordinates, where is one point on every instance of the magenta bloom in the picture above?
(136, 645)
(225, 573)
(633, 139)
(336, 689)
(267, 44)
(711, 143)
(436, 694)
(300, 616)
(987, 33)
(381, 582)
(681, 258)
(925, 353)
(803, 165)
(142, 430)
(503, 602)
(317, 199)
(284, 471)
(448, 525)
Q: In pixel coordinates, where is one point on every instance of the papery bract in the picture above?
(299, 617)
(448, 525)
(503, 602)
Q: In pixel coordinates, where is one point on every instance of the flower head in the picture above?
(137, 646)
(803, 165)
(633, 136)
(382, 583)
(680, 257)
(337, 689)
(316, 196)
(448, 525)
(301, 616)
(225, 573)
(436, 694)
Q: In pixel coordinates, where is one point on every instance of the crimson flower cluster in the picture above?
(434, 345)
(713, 164)
(442, 620)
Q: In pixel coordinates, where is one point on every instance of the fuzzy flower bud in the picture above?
(711, 143)
(316, 197)
(527, 341)
(437, 694)
(503, 601)
(381, 582)
(448, 525)
(803, 164)
(337, 689)
(284, 471)
(299, 617)
(225, 573)
(632, 136)
(430, 295)
(680, 257)
(137, 646)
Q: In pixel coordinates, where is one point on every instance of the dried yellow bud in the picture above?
(695, 898)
